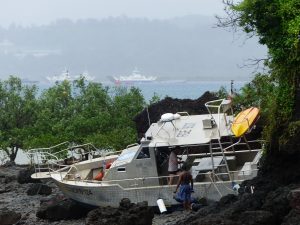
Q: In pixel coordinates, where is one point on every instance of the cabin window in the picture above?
(121, 169)
(144, 153)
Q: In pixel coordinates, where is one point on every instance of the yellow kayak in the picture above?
(244, 121)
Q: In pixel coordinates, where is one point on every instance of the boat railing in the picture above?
(140, 182)
(44, 159)
(132, 145)
(222, 106)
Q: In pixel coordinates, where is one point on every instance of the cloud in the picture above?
(46, 11)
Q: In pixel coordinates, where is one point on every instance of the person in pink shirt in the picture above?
(174, 160)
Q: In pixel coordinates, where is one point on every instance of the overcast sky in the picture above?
(28, 12)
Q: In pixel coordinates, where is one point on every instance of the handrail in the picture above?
(219, 103)
(161, 177)
(132, 145)
(44, 158)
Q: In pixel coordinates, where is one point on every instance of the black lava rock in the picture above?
(40, 189)
(8, 217)
(127, 214)
(61, 210)
(24, 176)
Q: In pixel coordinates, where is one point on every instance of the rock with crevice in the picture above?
(57, 209)
(9, 217)
(24, 176)
(127, 214)
(171, 105)
(292, 218)
(39, 189)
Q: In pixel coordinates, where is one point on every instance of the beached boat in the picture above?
(218, 161)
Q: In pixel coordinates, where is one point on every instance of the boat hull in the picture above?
(111, 195)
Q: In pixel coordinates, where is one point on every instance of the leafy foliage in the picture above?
(17, 114)
(78, 112)
(277, 24)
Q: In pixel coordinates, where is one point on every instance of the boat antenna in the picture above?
(148, 116)
(149, 122)
(231, 88)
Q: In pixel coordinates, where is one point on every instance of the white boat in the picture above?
(135, 76)
(217, 161)
(65, 75)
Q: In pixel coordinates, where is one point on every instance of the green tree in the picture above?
(277, 24)
(18, 114)
(126, 104)
(82, 112)
(92, 105)
(55, 107)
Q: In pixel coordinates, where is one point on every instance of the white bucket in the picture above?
(161, 205)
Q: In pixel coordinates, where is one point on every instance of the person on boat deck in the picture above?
(174, 160)
(185, 185)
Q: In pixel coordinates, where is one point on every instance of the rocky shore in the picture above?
(275, 201)
(24, 201)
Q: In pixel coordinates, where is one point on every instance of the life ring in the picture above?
(99, 176)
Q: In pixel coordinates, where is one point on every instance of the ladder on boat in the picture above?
(220, 168)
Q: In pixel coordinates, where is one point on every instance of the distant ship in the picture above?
(65, 75)
(135, 76)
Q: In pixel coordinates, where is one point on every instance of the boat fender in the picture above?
(167, 117)
(99, 176)
(161, 205)
(252, 189)
(236, 187)
(176, 116)
(108, 165)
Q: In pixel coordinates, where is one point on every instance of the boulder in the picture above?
(292, 218)
(24, 176)
(258, 217)
(228, 199)
(212, 219)
(40, 189)
(171, 105)
(294, 200)
(8, 217)
(61, 210)
(277, 202)
(127, 214)
(7, 178)
(5, 188)
(49, 200)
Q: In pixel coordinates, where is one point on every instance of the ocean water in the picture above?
(181, 89)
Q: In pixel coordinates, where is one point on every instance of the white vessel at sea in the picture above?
(135, 76)
(65, 75)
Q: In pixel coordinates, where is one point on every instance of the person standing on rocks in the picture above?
(174, 160)
(186, 185)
